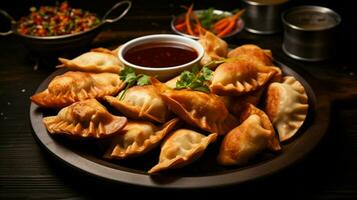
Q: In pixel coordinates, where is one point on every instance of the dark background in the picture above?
(28, 171)
(158, 8)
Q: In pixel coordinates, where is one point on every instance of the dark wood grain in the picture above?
(28, 171)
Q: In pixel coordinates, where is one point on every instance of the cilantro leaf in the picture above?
(195, 84)
(128, 75)
(143, 80)
(185, 78)
(127, 70)
(195, 80)
(207, 73)
(130, 78)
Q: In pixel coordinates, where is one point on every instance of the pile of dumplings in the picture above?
(252, 107)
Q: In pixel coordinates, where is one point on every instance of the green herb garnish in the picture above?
(195, 80)
(199, 79)
(130, 78)
(143, 80)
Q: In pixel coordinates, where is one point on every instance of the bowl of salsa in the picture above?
(161, 55)
(61, 27)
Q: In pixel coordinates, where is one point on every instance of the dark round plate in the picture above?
(87, 155)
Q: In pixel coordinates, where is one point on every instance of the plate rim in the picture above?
(321, 111)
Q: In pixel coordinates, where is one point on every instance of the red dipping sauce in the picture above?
(160, 54)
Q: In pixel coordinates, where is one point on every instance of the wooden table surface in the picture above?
(28, 171)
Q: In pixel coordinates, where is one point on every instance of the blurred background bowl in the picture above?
(52, 45)
(238, 28)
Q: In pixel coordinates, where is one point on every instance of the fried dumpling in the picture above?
(257, 55)
(253, 52)
(244, 142)
(108, 51)
(198, 108)
(95, 62)
(273, 143)
(137, 138)
(70, 87)
(141, 102)
(86, 119)
(215, 48)
(240, 77)
(181, 148)
(286, 104)
(236, 104)
(278, 75)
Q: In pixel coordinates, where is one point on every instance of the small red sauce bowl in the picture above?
(162, 73)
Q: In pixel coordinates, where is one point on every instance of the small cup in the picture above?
(263, 16)
(162, 73)
(310, 32)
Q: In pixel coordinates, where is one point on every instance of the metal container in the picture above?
(263, 16)
(310, 32)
